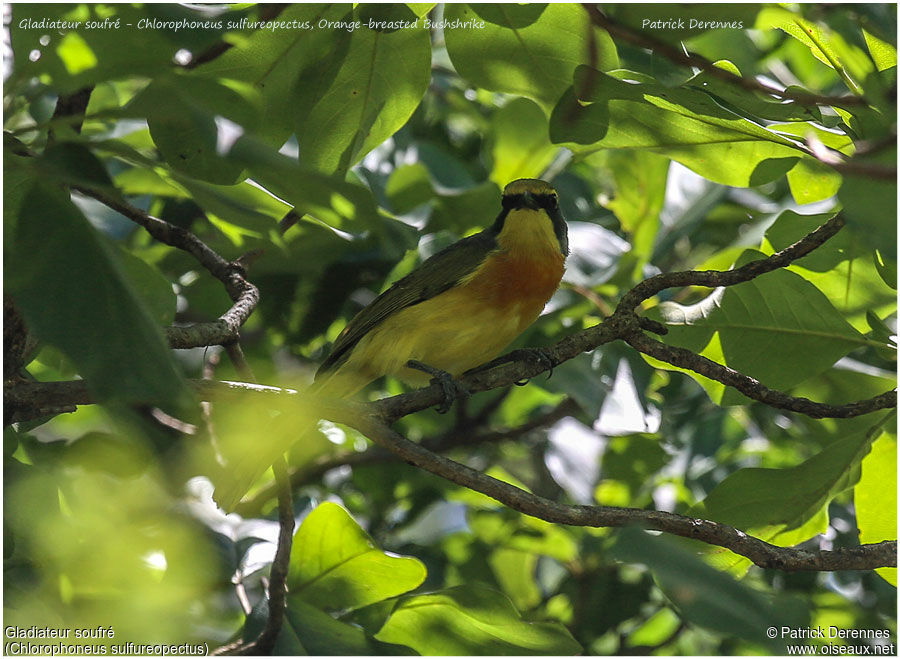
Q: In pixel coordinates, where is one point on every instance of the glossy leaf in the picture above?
(518, 49)
(875, 497)
(335, 565)
(469, 620)
(779, 314)
(357, 97)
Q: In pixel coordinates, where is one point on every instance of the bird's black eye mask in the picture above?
(549, 201)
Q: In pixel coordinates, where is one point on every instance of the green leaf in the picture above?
(73, 59)
(472, 620)
(320, 634)
(883, 54)
(639, 179)
(842, 268)
(528, 50)
(95, 317)
(708, 597)
(811, 180)
(684, 124)
(674, 23)
(875, 497)
(521, 145)
(319, 198)
(828, 47)
(274, 60)
(515, 572)
(353, 100)
(181, 112)
(335, 564)
(784, 506)
(151, 287)
(750, 104)
(409, 186)
(870, 204)
(780, 315)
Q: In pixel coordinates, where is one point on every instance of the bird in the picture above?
(462, 306)
(456, 311)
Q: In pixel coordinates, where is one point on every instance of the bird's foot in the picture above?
(450, 388)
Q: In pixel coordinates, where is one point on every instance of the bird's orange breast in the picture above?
(520, 284)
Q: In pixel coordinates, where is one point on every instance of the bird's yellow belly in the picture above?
(458, 329)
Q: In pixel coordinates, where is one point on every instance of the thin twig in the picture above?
(715, 278)
(852, 166)
(245, 295)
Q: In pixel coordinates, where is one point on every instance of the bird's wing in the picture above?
(434, 276)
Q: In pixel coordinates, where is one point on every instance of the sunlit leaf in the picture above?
(530, 50)
(875, 497)
(472, 620)
(335, 565)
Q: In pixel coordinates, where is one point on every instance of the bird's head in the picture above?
(534, 195)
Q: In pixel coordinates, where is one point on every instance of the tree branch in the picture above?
(715, 278)
(751, 387)
(453, 439)
(644, 40)
(371, 420)
(763, 554)
(226, 328)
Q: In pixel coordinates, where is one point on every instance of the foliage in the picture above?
(389, 143)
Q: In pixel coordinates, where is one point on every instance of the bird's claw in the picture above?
(450, 388)
(539, 355)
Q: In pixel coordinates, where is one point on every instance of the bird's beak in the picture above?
(530, 201)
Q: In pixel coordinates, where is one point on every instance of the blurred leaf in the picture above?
(708, 597)
(515, 573)
(183, 114)
(420, 9)
(95, 317)
(76, 58)
(476, 208)
(151, 287)
(870, 204)
(519, 49)
(639, 178)
(875, 497)
(469, 620)
(350, 102)
(251, 436)
(521, 145)
(335, 564)
(408, 187)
